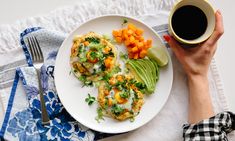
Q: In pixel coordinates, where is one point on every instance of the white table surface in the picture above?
(12, 10)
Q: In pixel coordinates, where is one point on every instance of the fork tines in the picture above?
(34, 48)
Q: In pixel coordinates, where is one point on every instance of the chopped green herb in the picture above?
(88, 83)
(90, 99)
(81, 48)
(106, 103)
(84, 59)
(123, 56)
(93, 55)
(119, 87)
(126, 70)
(140, 85)
(124, 21)
(96, 46)
(92, 40)
(102, 67)
(132, 81)
(82, 78)
(117, 110)
(109, 87)
(117, 69)
(99, 115)
(97, 84)
(124, 95)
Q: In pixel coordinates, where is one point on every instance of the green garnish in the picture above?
(117, 69)
(83, 59)
(88, 83)
(123, 56)
(81, 48)
(96, 46)
(140, 85)
(107, 76)
(124, 21)
(117, 110)
(85, 82)
(92, 40)
(82, 78)
(124, 95)
(93, 55)
(99, 115)
(90, 99)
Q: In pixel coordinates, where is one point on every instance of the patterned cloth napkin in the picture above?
(24, 124)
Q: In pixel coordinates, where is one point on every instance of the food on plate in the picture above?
(133, 39)
(121, 97)
(91, 56)
(159, 55)
(145, 71)
(93, 60)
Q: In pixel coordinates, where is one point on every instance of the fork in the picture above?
(37, 57)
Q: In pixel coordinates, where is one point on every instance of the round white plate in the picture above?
(72, 95)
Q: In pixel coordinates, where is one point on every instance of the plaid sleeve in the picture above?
(214, 128)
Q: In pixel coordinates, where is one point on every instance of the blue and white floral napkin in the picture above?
(24, 124)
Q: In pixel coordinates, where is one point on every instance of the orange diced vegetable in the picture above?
(141, 39)
(143, 53)
(127, 42)
(115, 33)
(86, 43)
(112, 81)
(139, 31)
(130, 32)
(140, 45)
(130, 55)
(131, 26)
(118, 39)
(110, 102)
(134, 49)
(120, 78)
(133, 39)
(136, 56)
(108, 62)
(106, 50)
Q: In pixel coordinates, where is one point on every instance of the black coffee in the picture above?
(189, 22)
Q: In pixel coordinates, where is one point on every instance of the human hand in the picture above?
(196, 61)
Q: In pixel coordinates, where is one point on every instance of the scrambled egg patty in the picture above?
(92, 55)
(120, 98)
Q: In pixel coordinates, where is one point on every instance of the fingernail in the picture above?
(219, 12)
(167, 38)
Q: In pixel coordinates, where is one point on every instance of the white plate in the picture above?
(72, 95)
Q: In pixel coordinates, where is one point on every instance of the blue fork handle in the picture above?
(44, 115)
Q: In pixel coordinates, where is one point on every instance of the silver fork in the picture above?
(37, 58)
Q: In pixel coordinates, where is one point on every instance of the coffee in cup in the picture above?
(192, 21)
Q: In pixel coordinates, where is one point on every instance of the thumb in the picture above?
(174, 45)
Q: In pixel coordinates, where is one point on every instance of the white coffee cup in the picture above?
(208, 10)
